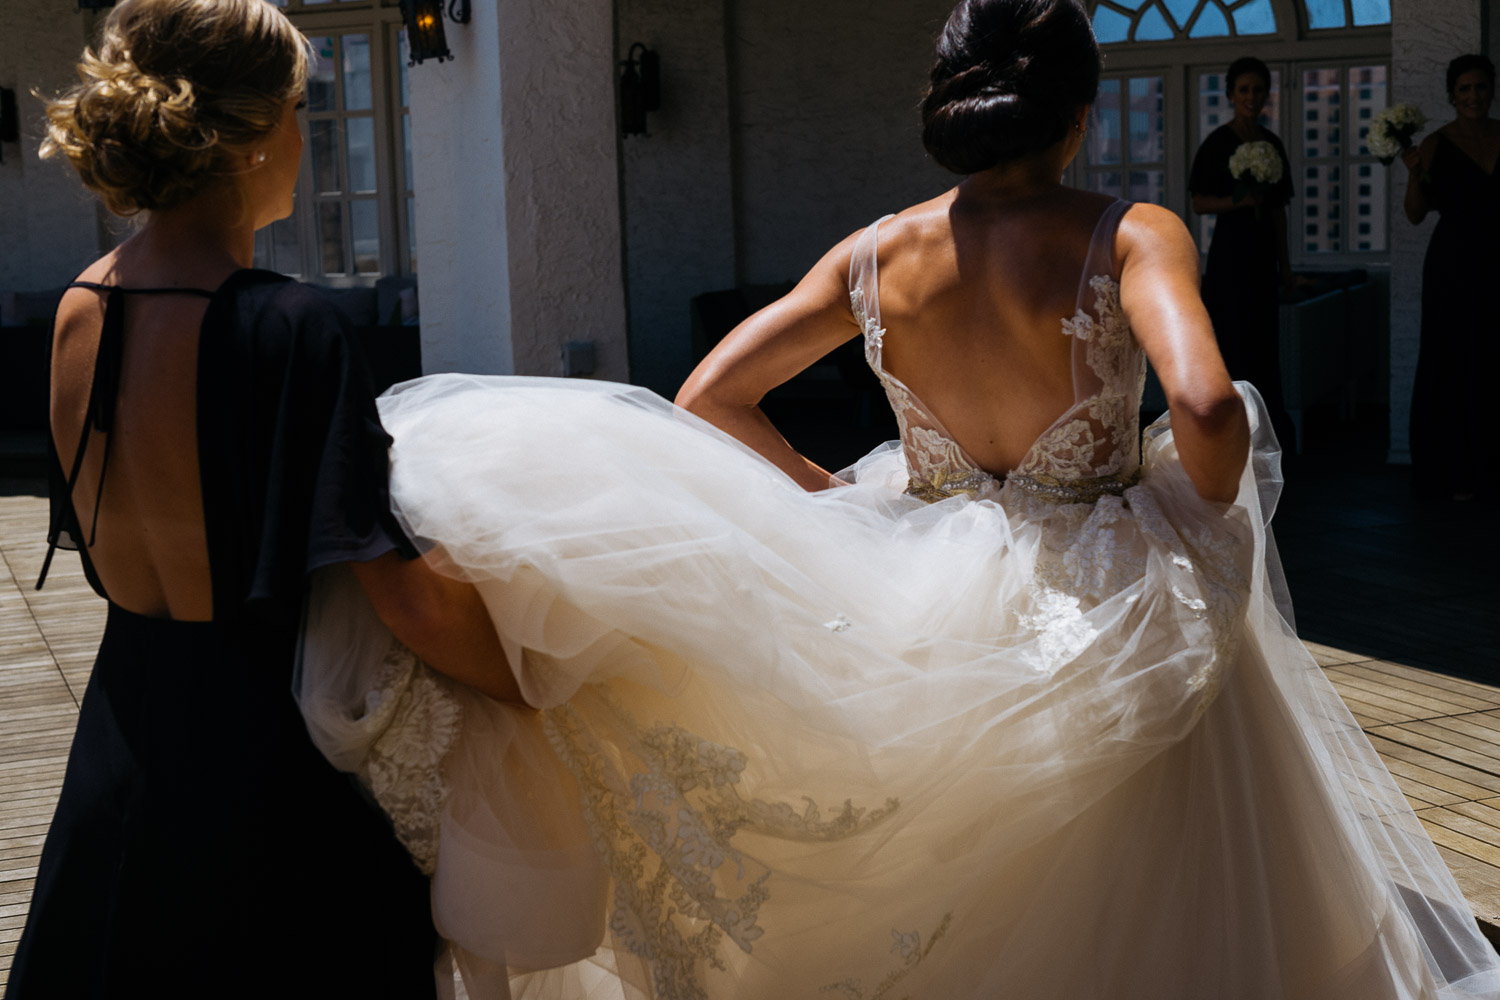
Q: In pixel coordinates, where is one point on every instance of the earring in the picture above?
(260, 157)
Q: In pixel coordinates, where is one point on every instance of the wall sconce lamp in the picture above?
(95, 4)
(425, 38)
(640, 89)
(10, 122)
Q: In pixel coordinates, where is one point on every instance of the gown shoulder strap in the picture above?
(100, 416)
(1101, 257)
(864, 277)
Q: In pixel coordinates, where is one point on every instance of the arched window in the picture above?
(1166, 20)
(1164, 91)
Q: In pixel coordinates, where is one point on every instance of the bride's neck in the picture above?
(1020, 180)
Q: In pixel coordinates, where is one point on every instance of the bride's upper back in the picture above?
(973, 293)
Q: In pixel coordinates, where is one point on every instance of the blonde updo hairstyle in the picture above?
(174, 90)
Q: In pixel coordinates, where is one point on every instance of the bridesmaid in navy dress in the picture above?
(215, 441)
(1454, 448)
(1247, 259)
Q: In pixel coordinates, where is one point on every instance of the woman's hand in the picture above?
(767, 349)
(1418, 160)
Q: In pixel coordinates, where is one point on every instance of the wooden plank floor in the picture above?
(1439, 736)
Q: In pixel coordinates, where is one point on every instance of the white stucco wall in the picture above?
(461, 235)
(49, 226)
(679, 186)
(516, 179)
(1425, 35)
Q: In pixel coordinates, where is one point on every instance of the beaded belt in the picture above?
(942, 485)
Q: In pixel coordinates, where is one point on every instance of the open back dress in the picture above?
(201, 845)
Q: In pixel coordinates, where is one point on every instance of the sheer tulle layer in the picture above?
(849, 744)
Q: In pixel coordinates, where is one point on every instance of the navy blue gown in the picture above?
(201, 845)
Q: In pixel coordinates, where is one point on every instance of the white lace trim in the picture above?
(419, 719)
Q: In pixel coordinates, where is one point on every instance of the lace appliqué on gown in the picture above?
(418, 719)
(908, 945)
(1099, 436)
(666, 835)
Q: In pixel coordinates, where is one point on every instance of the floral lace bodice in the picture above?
(1088, 449)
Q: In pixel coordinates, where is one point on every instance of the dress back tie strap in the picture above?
(104, 393)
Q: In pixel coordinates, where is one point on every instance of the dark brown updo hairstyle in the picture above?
(175, 88)
(1469, 64)
(1243, 65)
(1010, 76)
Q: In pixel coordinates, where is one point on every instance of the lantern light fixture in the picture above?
(95, 4)
(640, 89)
(425, 37)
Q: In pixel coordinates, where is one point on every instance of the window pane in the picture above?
(1213, 108)
(1210, 23)
(1148, 185)
(1106, 182)
(1110, 26)
(1321, 112)
(359, 135)
(1367, 95)
(1323, 212)
(320, 82)
(286, 248)
(364, 224)
(331, 236)
(1104, 137)
(1147, 121)
(356, 72)
(1371, 12)
(1153, 27)
(1370, 212)
(1255, 18)
(1325, 13)
(1182, 10)
(325, 156)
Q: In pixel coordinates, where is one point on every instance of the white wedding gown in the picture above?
(931, 735)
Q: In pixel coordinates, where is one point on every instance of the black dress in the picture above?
(1454, 447)
(202, 846)
(1242, 282)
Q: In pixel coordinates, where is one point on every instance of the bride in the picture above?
(1010, 711)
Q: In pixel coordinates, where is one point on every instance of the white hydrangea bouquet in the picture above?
(1256, 169)
(1391, 131)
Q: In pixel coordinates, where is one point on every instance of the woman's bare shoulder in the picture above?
(1148, 230)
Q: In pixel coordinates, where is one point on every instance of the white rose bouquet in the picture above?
(1256, 169)
(1391, 131)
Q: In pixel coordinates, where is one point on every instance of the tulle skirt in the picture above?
(851, 745)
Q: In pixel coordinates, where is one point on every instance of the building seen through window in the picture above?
(1329, 62)
(354, 210)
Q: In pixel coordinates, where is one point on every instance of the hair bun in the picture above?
(1009, 76)
(175, 87)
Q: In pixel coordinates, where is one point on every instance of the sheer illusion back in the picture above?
(1089, 446)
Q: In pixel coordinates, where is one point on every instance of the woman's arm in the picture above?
(442, 620)
(1159, 293)
(1418, 159)
(767, 349)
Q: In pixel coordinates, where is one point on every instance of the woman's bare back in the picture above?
(149, 546)
(972, 299)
